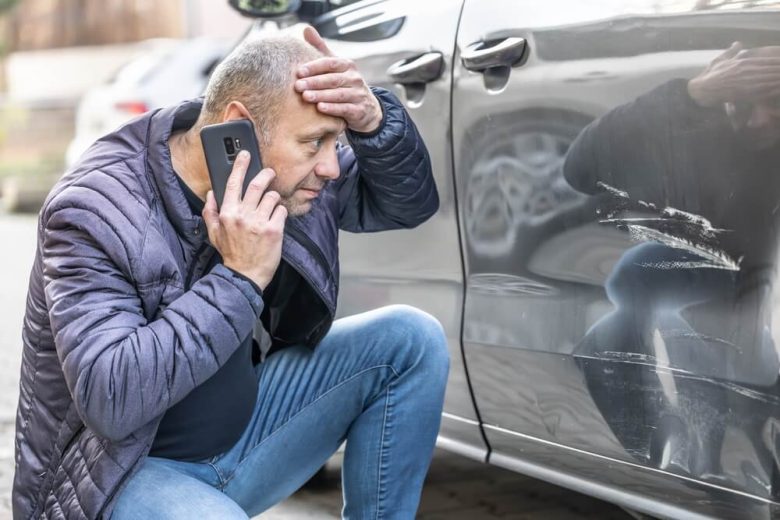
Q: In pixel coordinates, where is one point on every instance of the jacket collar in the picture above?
(163, 122)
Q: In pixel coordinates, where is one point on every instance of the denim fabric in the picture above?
(377, 381)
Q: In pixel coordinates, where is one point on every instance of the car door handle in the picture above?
(504, 54)
(421, 69)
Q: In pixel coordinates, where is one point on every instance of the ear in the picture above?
(235, 110)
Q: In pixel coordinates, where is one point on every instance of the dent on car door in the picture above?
(407, 47)
(617, 168)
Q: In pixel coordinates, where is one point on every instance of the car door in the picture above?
(620, 235)
(407, 47)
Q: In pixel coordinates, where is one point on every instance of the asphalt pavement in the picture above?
(456, 488)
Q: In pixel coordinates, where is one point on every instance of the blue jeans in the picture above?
(377, 381)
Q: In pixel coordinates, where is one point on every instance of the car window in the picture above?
(361, 21)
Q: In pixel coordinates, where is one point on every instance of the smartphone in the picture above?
(221, 144)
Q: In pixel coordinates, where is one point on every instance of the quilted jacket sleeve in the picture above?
(386, 179)
(122, 370)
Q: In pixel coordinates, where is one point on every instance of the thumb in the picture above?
(729, 53)
(314, 39)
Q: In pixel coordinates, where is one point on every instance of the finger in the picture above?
(760, 63)
(758, 85)
(729, 53)
(267, 205)
(236, 180)
(314, 39)
(211, 213)
(347, 111)
(330, 80)
(256, 188)
(340, 95)
(343, 95)
(751, 81)
(324, 66)
(279, 216)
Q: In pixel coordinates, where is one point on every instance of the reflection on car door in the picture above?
(619, 193)
(407, 48)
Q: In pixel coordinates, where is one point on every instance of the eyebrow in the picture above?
(324, 131)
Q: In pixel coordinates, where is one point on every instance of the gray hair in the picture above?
(259, 73)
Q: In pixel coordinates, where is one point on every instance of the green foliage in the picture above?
(5, 5)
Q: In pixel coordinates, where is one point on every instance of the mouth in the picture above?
(311, 192)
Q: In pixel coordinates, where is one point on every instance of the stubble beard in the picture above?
(296, 208)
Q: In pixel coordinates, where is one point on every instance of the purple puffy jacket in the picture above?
(121, 320)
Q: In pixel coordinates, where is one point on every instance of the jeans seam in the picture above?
(379, 493)
(222, 482)
(281, 427)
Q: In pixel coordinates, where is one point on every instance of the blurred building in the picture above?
(53, 51)
(46, 24)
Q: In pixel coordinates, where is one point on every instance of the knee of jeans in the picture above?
(424, 338)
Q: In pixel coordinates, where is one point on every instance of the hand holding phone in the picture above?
(221, 144)
(247, 230)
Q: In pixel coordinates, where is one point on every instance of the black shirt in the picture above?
(211, 418)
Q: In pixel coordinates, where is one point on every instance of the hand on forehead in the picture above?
(771, 51)
(336, 87)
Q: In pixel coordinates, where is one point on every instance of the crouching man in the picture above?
(142, 391)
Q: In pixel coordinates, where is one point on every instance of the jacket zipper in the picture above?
(311, 247)
(191, 273)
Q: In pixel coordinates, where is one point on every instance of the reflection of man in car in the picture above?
(694, 167)
(143, 394)
(704, 155)
(746, 83)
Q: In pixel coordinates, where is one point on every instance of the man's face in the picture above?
(757, 124)
(757, 120)
(302, 152)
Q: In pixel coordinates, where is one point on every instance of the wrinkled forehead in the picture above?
(301, 118)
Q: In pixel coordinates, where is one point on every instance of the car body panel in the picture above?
(612, 310)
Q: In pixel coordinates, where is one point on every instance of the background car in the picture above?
(604, 258)
(167, 73)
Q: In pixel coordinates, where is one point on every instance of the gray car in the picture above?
(606, 250)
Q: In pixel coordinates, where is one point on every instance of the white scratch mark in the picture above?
(612, 190)
(666, 378)
(718, 259)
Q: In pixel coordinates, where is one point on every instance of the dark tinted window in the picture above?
(365, 21)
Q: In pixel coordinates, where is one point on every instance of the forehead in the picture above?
(300, 117)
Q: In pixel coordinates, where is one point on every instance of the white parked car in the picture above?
(172, 70)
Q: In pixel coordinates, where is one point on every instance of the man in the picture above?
(139, 395)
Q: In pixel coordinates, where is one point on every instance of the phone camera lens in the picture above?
(229, 148)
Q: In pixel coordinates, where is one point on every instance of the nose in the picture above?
(760, 117)
(328, 166)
